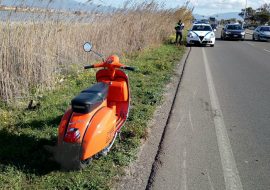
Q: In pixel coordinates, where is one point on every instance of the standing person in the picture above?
(178, 28)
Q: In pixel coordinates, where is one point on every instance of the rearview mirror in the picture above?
(87, 47)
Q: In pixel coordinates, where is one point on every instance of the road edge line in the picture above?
(230, 171)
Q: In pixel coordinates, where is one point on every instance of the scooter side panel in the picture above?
(99, 133)
(76, 120)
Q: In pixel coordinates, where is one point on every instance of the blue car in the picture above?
(233, 31)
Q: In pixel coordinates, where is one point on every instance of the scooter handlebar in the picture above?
(95, 66)
(128, 68)
(88, 66)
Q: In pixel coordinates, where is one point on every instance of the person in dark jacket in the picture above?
(179, 28)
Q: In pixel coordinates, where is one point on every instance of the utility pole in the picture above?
(245, 12)
(221, 6)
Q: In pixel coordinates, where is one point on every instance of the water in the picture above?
(42, 17)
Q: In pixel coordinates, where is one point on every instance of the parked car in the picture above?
(201, 34)
(233, 31)
(261, 33)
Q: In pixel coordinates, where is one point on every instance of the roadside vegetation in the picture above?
(42, 61)
(26, 165)
(35, 54)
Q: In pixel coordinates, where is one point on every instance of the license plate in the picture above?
(235, 35)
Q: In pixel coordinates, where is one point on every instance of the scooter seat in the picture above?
(90, 98)
(99, 88)
(86, 102)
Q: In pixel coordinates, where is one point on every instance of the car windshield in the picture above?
(265, 29)
(234, 27)
(202, 28)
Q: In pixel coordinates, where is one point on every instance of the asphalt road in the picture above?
(218, 136)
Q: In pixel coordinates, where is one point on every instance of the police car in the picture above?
(201, 34)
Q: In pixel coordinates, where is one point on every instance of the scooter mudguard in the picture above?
(99, 133)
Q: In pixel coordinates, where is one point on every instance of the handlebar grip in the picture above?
(88, 66)
(129, 68)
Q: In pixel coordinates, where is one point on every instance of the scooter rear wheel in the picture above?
(84, 163)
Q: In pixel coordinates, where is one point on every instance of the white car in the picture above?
(201, 34)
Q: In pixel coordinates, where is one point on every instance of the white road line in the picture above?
(266, 50)
(250, 43)
(254, 45)
(210, 181)
(194, 94)
(231, 174)
(180, 122)
(190, 120)
(184, 167)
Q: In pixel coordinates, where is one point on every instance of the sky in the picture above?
(203, 7)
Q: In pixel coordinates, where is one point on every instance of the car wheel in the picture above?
(212, 45)
(253, 37)
(259, 38)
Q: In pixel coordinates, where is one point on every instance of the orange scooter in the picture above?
(96, 116)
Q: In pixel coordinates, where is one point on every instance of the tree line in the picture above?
(256, 16)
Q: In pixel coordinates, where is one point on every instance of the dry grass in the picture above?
(34, 54)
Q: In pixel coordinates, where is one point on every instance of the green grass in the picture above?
(24, 163)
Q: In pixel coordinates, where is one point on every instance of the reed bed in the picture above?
(35, 54)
